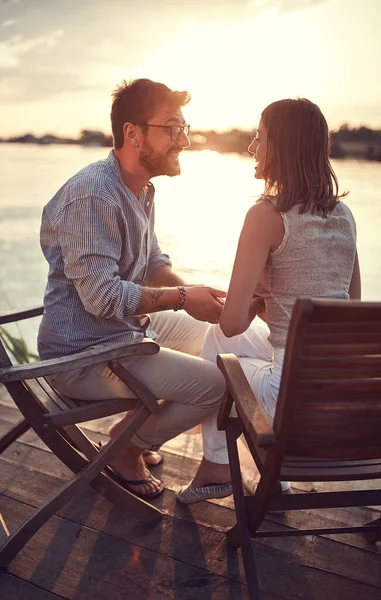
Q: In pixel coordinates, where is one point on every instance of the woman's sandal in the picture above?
(189, 494)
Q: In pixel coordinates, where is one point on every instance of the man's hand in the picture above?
(204, 303)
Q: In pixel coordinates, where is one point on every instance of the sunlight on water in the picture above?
(198, 215)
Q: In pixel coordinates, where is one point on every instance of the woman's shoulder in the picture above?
(264, 218)
(263, 207)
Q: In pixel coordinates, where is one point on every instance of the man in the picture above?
(106, 272)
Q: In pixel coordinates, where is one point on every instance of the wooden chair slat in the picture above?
(339, 362)
(329, 372)
(371, 385)
(342, 349)
(290, 461)
(338, 327)
(348, 337)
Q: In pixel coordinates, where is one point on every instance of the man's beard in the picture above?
(157, 164)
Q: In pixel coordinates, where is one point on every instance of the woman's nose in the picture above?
(252, 147)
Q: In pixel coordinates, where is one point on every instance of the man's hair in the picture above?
(138, 101)
(297, 169)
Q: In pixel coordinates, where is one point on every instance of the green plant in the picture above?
(17, 347)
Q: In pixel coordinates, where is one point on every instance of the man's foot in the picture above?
(130, 467)
(151, 457)
(132, 484)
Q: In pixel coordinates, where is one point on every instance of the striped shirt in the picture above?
(99, 241)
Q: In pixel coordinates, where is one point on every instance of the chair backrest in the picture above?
(329, 402)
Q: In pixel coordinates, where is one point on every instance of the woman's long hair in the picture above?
(297, 169)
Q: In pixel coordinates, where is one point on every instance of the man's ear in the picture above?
(130, 135)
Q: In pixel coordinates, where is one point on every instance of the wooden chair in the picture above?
(54, 417)
(327, 425)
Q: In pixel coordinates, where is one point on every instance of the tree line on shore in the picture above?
(346, 142)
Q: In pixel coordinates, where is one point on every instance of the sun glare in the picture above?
(233, 71)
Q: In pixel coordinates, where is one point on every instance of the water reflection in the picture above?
(198, 215)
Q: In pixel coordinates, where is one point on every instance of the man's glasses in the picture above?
(174, 130)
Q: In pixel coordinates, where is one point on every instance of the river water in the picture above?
(198, 215)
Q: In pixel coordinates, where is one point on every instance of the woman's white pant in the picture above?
(262, 365)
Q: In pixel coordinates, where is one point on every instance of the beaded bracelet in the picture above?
(182, 297)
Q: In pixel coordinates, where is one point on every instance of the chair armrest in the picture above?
(248, 408)
(20, 315)
(96, 355)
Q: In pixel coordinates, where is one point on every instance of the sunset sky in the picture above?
(61, 59)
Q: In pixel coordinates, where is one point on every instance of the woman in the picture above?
(299, 238)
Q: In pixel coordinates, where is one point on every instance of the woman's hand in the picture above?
(258, 309)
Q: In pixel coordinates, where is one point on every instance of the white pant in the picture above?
(262, 365)
(191, 388)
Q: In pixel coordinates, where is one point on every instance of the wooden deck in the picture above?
(92, 549)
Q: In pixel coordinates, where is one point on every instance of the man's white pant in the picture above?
(191, 387)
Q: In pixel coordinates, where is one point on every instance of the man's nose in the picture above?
(184, 140)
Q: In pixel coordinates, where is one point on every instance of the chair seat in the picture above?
(63, 410)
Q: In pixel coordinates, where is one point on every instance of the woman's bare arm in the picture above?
(262, 232)
(355, 285)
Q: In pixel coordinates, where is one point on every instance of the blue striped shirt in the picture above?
(99, 241)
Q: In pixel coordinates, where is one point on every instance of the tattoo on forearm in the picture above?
(150, 299)
(153, 295)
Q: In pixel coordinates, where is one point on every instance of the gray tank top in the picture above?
(315, 258)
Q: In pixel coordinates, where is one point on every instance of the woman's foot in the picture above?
(211, 473)
(212, 480)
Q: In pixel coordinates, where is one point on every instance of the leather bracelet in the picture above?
(182, 297)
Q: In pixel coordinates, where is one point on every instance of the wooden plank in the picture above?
(78, 562)
(178, 470)
(30, 486)
(79, 559)
(13, 588)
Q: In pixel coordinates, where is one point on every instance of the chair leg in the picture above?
(374, 536)
(4, 532)
(240, 535)
(90, 473)
(14, 433)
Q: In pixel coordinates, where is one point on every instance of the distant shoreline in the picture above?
(361, 142)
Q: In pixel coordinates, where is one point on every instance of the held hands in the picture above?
(204, 303)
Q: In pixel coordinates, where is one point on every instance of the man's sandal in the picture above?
(126, 483)
(151, 457)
